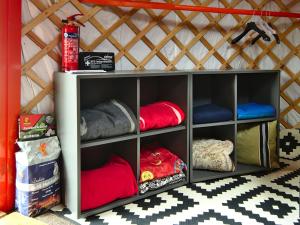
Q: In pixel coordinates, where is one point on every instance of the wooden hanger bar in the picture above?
(170, 6)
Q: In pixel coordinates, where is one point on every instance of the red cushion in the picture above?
(112, 181)
(159, 115)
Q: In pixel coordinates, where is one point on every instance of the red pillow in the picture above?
(157, 162)
(159, 115)
(112, 181)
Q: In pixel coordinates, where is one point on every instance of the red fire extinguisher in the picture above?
(70, 42)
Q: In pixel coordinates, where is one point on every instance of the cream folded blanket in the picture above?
(211, 154)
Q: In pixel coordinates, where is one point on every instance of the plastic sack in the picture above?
(38, 177)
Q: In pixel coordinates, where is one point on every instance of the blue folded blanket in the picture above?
(255, 110)
(210, 113)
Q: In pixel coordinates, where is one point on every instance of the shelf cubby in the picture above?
(262, 88)
(97, 156)
(94, 157)
(214, 89)
(220, 132)
(165, 88)
(176, 142)
(95, 91)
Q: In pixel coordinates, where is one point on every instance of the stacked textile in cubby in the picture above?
(159, 167)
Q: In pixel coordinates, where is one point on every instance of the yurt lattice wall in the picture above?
(156, 39)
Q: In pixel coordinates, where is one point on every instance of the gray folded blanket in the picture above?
(107, 119)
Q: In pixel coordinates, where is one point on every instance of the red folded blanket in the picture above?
(159, 115)
(157, 162)
(112, 181)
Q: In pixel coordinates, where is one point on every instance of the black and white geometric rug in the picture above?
(264, 198)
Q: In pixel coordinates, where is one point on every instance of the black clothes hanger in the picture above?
(275, 35)
(255, 39)
(251, 26)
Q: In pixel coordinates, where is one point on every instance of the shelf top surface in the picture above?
(153, 73)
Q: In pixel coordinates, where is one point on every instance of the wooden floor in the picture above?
(2, 214)
(15, 218)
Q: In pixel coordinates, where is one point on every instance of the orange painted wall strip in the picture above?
(10, 75)
(170, 6)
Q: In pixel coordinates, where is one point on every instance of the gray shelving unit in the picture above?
(83, 90)
(228, 89)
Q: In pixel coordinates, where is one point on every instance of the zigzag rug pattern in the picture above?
(262, 198)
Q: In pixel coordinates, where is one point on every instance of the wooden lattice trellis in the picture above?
(156, 20)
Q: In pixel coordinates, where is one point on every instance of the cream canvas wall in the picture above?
(155, 39)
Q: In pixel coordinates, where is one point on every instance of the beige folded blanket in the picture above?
(213, 154)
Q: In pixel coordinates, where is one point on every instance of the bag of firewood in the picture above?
(38, 177)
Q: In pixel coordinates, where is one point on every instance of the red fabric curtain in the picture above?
(10, 75)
